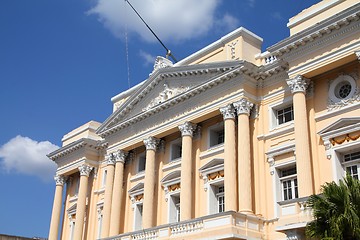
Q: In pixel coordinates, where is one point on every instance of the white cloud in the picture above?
(228, 22)
(277, 16)
(148, 58)
(251, 3)
(27, 156)
(171, 20)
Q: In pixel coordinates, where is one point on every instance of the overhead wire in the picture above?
(168, 52)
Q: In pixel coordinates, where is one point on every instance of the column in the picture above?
(81, 201)
(108, 195)
(117, 193)
(298, 86)
(150, 182)
(230, 185)
(243, 108)
(56, 211)
(187, 130)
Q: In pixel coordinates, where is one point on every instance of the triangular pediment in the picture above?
(137, 189)
(341, 127)
(171, 178)
(214, 165)
(167, 87)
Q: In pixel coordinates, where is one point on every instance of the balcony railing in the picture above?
(236, 224)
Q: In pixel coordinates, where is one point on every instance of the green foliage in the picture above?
(336, 211)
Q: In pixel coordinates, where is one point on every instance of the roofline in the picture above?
(237, 32)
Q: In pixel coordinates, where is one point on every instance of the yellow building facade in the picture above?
(226, 144)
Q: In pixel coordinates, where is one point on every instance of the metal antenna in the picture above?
(168, 52)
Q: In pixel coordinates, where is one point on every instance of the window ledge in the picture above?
(100, 191)
(73, 199)
(212, 151)
(279, 130)
(172, 164)
(137, 177)
(295, 200)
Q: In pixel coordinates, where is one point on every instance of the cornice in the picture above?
(74, 146)
(229, 69)
(317, 31)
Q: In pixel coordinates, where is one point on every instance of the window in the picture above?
(138, 216)
(220, 198)
(352, 163)
(217, 197)
(216, 135)
(175, 149)
(174, 208)
(342, 88)
(289, 185)
(104, 178)
(141, 163)
(100, 220)
(72, 229)
(285, 115)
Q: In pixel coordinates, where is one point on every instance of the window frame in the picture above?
(216, 128)
(174, 144)
(273, 113)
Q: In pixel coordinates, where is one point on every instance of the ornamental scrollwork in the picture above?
(228, 112)
(187, 129)
(85, 170)
(243, 106)
(151, 143)
(60, 180)
(298, 84)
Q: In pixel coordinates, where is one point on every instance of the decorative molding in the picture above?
(277, 151)
(111, 159)
(121, 156)
(85, 170)
(60, 180)
(161, 62)
(243, 106)
(187, 129)
(165, 95)
(334, 102)
(228, 111)
(357, 53)
(298, 84)
(232, 49)
(151, 143)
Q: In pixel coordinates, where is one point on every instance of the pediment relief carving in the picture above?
(165, 95)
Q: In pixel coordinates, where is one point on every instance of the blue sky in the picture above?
(62, 61)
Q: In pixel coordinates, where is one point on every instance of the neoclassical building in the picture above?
(228, 143)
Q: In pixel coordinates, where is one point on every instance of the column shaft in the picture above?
(117, 198)
(107, 199)
(244, 168)
(81, 201)
(149, 190)
(186, 194)
(56, 211)
(302, 146)
(243, 108)
(230, 166)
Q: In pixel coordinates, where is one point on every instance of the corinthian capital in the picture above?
(60, 180)
(85, 170)
(228, 112)
(298, 84)
(187, 129)
(243, 106)
(121, 156)
(151, 143)
(111, 159)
